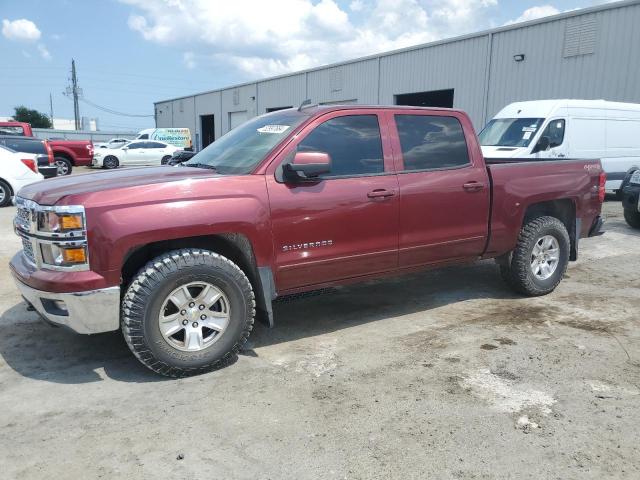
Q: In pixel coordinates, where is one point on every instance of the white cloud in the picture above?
(534, 13)
(263, 38)
(44, 53)
(356, 5)
(189, 59)
(21, 30)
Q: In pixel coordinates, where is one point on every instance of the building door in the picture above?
(435, 98)
(237, 118)
(207, 129)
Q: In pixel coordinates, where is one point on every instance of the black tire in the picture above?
(110, 162)
(517, 272)
(165, 160)
(161, 276)
(5, 194)
(632, 218)
(64, 166)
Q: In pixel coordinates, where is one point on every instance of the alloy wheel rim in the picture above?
(194, 316)
(545, 257)
(62, 168)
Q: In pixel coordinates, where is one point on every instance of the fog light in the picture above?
(60, 305)
(74, 255)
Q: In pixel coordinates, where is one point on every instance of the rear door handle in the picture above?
(473, 186)
(380, 193)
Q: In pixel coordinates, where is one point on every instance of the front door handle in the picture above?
(380, 193)
(473, 186)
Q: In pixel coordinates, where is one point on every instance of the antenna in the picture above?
(305, 103)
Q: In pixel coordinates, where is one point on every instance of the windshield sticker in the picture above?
(273, 129)
(529, 129)
(526, 136)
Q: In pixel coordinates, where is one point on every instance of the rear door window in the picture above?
(154, 145)
(353, 142)
(25, 145)
(431, 142)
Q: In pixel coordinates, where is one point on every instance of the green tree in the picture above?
(34, 117)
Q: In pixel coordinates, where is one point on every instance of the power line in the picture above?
(113, 112)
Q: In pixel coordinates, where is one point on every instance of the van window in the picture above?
(554, 132)
(510, 132)
(431, 142)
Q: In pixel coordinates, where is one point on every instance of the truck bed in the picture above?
(517, 184)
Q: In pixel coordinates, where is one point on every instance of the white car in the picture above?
(16, 171)
(113, 143)
(136, 153)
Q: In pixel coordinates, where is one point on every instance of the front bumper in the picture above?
(93, 311)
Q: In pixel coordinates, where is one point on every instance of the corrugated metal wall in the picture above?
(480, 68)
(612, 72)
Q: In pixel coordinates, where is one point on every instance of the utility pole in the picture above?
(74, 83)
(51, 109)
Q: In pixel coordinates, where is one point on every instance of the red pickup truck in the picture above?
(67, 153)
(181, 257)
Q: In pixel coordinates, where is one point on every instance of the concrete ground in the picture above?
(444, 374)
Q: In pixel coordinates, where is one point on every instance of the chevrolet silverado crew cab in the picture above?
(181, 259)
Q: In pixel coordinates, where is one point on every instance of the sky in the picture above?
(132, 53)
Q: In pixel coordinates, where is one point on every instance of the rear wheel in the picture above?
(165, 160)
(537, 264)
(187, 312)
(632, 218)
(110, 162)
(5, 194)
(64, 166)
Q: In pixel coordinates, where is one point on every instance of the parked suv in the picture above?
(181, 258)
(36, 146)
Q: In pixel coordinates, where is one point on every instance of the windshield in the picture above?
(243, 148)
(510, 132)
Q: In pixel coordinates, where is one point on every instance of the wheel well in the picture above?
(564, 210)
(235, 247)
(66, 156)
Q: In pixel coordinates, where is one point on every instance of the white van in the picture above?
(179, 137)
(559, 129)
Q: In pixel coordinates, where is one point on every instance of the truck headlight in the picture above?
(53, 237)
(60, 222)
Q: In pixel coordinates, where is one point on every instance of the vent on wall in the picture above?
(580, 36)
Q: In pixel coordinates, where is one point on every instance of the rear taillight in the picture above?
(30, 163)
(602, 180)
(90, 148)
(49, 152)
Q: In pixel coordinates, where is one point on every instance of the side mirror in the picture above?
(306, 167)
(542, 145)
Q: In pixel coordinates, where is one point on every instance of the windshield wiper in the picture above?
(199, 165)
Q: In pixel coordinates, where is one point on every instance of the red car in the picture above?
(180, 258)
(66, 153)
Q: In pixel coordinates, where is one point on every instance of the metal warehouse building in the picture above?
(590, 54)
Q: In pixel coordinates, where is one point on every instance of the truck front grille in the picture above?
(27, 248)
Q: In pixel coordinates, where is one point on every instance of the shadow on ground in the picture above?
(36, 350)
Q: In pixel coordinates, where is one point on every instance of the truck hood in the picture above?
(53, 191)
(503, 152)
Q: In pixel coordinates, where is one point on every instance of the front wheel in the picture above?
(632, 217)
(5, 194)
(110, 162)
(187, 312)
(537, 264)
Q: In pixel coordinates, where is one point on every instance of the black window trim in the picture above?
(434, 169)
